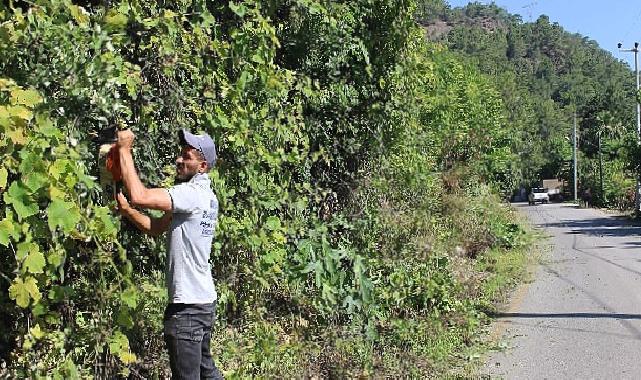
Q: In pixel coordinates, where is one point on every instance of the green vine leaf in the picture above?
(5, 118)
(240, 10)
(8, 230)
(35, 181)
(17, 136)
(35, 262)
(31, 162)
(105, 221)
(130, 297)
(272, 223)
(115, 20)
(3, 177)
(124, 318)
(20, 112)
(119, 346)
(23, 291)
(79, 14)
(28, 98)
(46, 127)
(58, 168)
(62, 214)
(6, 83)
(21, 201)
(55, 258)
(25, 248)
(37, 332)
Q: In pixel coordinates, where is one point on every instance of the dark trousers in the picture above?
(187, 333)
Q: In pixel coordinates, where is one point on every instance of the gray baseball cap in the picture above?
(204, 143)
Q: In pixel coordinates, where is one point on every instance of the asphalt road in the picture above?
(581, 316)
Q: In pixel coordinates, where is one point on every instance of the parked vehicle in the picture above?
(538, 194)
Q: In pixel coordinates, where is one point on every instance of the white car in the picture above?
(538, 194)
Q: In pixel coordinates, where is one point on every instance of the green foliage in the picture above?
(48, 220)
(350, 150)
(545, 74)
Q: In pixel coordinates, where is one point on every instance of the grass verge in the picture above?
(431, 342)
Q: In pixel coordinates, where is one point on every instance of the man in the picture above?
(191, 214)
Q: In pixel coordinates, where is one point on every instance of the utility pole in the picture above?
(637, 193)
(574, 138)
(601, 172)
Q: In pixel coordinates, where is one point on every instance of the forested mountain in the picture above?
(545, 74)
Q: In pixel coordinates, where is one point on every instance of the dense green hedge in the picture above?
(347, 144)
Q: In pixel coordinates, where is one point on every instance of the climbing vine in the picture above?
(328, 117)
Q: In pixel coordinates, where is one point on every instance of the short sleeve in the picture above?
(185, 198)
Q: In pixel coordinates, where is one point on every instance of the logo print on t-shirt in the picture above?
(208, 222)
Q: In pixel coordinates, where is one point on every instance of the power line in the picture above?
(528, 8)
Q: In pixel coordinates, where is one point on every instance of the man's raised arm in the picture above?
(140, 196)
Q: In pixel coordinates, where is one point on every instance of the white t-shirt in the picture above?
(195, 215)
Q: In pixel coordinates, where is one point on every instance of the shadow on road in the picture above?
(601, 226)
(580, 330)
(566, 315)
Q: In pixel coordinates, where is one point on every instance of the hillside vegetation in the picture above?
(362, 173)
(546, 75)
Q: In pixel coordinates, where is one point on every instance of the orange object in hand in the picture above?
(113, 163)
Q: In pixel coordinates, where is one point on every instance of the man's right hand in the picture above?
(125, 139)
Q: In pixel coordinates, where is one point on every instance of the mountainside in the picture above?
(545, 74)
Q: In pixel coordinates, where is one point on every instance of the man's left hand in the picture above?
(123, 204)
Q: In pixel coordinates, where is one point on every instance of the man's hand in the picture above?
(145, 223)
(125, 139)
(123, 204)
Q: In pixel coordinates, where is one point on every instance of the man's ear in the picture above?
(203, 167)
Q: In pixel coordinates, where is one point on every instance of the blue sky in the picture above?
(606, 22)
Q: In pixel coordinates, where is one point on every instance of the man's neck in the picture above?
(189, 179)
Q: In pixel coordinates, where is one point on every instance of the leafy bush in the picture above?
(348, 163)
